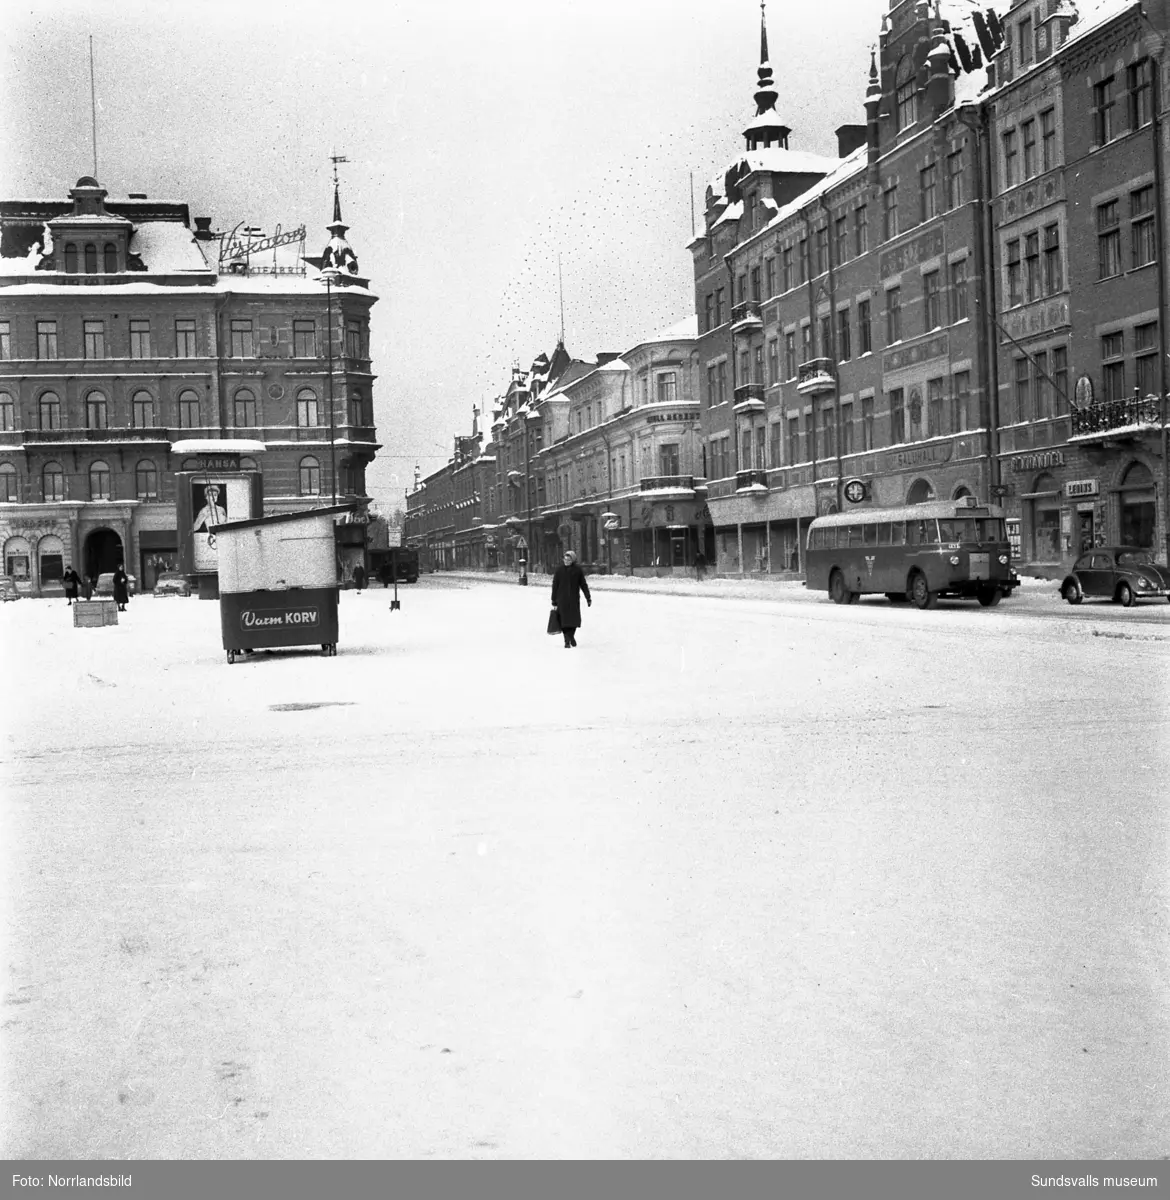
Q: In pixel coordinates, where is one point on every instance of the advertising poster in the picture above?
(214, 501)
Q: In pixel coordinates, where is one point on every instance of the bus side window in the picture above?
(870, 534)
(883, 533)
(830, 536)
(898, 533)
(814, 539)
(855, 535)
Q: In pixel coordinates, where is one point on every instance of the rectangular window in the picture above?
(710, 312)
(790, 363)
(906, 104)
(959, 290)
(932, 300)
(245, 406)
(1025, 30)
(846, 428)
(822, 249)
(773, 360)
(1023, 390)
(897, 417)
(1032, 266)
(1145, 344)
(745, 450)
(867, 442)
(1048, 139)
(786, 268)
(844, 350)
(756, 285)
(802, 263)
(758, 365)
(1104, 100)
(308, 414)
(893, 315)
(934, 408)
(721, 381)
(1140, 85)
(1108, 240)
(241, 338)
(46, 339)
(770, 276)
(955, 179)
(960, 401)
(1060, 379)
(1015, 290)
(927, 179)
(184, 338)
(143, 408)
(1113, 366)
(305, 339)
(1028, 138)
(353, 340)
(775, 439)
(826, 336)
(5, 340)
(1053, 268)
(860, 230)
(667, 387)
(1010, 156)
(828, 432)
(139, 338)
(97, 415)
(94, 333)
(188, 410)
(710, 386)
(864, 333)
(793, 440)
(7, 412)
(1141, 234)
(890, 213)
(1041, 387)
(841, 237)
(668, 459)
(719, 294)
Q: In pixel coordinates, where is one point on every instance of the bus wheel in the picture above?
(990, 597)
(837, 589)
(920, 592)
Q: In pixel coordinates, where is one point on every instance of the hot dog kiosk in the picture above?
(278, 583)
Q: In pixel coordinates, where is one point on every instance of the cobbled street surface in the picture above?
(744, 875)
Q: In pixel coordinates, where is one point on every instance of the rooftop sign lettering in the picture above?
(231, 247)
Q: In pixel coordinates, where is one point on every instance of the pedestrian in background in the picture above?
(359, 577)
(72, 581)
(87, 586)
(700, 565)
(568, 585)
(121, 588)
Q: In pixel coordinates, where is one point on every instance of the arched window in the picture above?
(111, 257)
(356, 408)
(7, 483)
(51, 558)
(90, 259)
(189, 409)
(143, 410)
(49, 411)
(146, 480)
(310, 476)
(920, 492)
(245, 407)
(7, 412)
(71, 258)
(97, 414)
(961, 491)
(53, 481)
(308, 415)
(905, 94)
(17, 556)
(99, 481)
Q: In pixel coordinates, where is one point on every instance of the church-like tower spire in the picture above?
(338, 254)
(766, 129)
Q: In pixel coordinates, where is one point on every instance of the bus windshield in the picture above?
(972, 529)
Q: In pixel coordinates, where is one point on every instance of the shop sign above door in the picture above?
(1082, 487)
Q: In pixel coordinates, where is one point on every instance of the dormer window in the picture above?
(90, 259)
(70, 259)
(111, 256)
(905, 94)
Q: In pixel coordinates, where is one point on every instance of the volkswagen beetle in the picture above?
(1124, 574)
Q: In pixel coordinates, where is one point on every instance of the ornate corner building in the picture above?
(136, 348)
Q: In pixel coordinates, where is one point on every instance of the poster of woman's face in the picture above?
(209, 503)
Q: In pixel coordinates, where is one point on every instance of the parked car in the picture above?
(105, 584)
(8, 588)
(1123, 574)
(172, 583)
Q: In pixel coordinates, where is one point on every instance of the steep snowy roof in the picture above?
(167, 248)
(688, 327)
(797, 162)
(845, 168)
(1092, 14)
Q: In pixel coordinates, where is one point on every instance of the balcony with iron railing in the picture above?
(48, 437)
(749, 397)
(816, 375)
(679, 486)
(745, 317)
(1117, 420)
(752, 480)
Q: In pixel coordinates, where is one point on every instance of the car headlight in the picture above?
(1144, 583)
(1003, 559)
(954, 560)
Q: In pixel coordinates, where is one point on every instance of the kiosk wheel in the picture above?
(231, 657)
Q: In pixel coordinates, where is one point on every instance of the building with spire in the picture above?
(144, 358)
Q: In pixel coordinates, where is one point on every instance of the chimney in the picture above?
(849, 137)
(203, 229)
(604, 356)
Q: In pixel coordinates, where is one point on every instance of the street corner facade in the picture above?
(157, 377)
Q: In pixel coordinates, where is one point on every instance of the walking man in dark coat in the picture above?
(359, 577)
(568, 584)
(72, 581)
(121, 588)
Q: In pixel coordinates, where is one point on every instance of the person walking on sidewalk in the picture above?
(568, 585)
(359, 577)
(121, 588)
(72, 582)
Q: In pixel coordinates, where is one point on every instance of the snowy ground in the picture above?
(746, 874)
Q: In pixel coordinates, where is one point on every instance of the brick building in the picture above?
(134, 349)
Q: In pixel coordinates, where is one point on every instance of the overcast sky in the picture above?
(483, 138)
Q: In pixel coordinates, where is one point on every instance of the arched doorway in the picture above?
(1137, 506)
(920, 492)
(103, 552)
